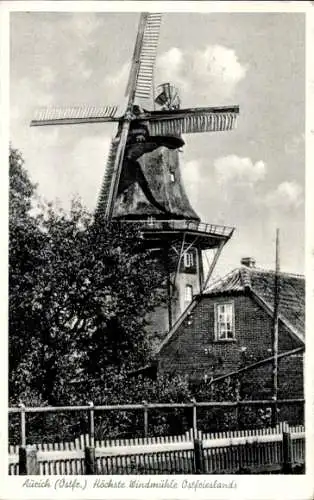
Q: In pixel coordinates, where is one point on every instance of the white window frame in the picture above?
(190, 296)
(189, 259)
(224, 321)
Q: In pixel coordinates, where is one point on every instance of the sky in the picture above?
(251, 178)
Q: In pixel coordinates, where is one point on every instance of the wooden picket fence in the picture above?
(277, 449)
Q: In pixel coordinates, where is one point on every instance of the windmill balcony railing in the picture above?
(183, 225)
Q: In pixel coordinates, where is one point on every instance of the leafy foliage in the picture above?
(24, 258)
(119, 388)
(79, 295)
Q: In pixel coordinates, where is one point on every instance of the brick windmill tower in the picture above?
(142, 181)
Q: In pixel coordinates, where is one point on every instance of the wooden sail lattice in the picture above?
(143, 87)
(70, 115)
(143, 61)
(106, 183)
(194, 121)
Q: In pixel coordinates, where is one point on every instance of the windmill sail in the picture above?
(114, 171)
(144, 56)
(190, 121)
(105, 188)
(74, 114)
(139, 85)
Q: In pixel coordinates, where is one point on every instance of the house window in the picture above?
(189, 259)
(172, 177)
(188, 293)
(224, 324)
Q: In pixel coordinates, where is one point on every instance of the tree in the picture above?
(25, 242)
(79, 295)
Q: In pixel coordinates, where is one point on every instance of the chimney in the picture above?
(248, 262)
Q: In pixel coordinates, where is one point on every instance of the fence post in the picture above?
(91, 424)
(237, 391)
(286, 450)
(145, 418)
(28, 465)
(198, 456)
(274, 414)
(23, 425)
(194, 409)
(90, 461)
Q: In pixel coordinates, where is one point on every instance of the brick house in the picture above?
(230, 325)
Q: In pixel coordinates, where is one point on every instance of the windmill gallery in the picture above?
(244, 327)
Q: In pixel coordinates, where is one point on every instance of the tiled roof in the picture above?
(261, 283)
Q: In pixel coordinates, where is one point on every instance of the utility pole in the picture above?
(275, 333)
(169, 287)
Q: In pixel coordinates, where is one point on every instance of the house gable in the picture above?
(261, 283)
(193, 349)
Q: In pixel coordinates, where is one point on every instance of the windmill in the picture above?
(142, 180)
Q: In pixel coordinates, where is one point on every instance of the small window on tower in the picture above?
(188, 295)
(189, 259)
(172, 177)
